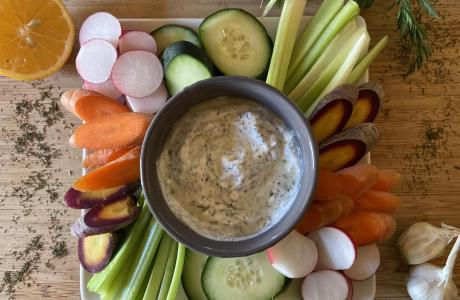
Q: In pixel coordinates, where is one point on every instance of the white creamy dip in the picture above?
(229, 168)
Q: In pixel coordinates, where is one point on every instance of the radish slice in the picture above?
(366, 263)
(295, 256)
(325, 285)
(95, 60)
(101, 25)
(150, 104)
(106, 88)
(137, 73)
(335, 248)
(137, 40)
(364, 290)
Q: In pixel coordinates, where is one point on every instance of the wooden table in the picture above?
(419, 121)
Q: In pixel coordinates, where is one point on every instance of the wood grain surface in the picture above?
(420, 122)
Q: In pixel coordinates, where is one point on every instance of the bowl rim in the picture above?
(264, 238)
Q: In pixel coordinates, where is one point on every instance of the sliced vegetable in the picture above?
(228, 278)
(336, 250)
(150, 104)
(237, 43)
(325, 284)
(366, 263)
(107, 216)
(378, 201)
(100, 25)
(292, 291)
(191, 277)
(333, 112)
(123, 130)
(81, 200)
(169, 34)
(365, 227)
(364, 290)
(348, 147)
(105, 88)
(358, 179)
(121, 171)
(328, 186)
(367, 105)
(137, 40)
(320, 214)
(137, 73)
(95, 60)
(388, 179)
(101, 157)
(348, 205)
(185, 64)
(295, 256)
(94, 252)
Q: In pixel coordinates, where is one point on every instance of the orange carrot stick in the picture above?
(123, 130)
(348, 205)
(121, 171)
(388, 179)
(101, 157)
(378, 201)
(88, 105)
(358, 179)
(365, 227)
(328, 186)
(319, 214)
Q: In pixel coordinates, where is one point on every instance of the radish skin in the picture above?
(150, 104)
(95, 60)
(366, 263)
(336, 250)
(325, 285)
(137, 40)
(105, 88)
(295, 256)
(100, 25)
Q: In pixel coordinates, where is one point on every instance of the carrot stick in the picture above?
(378, 201)
(348, 205)
(101, 157)
(88, 105)
(365, 227)
(319, 214)
(328, 186)
(388, 179)
(358, 179)
(121, 171)
(123, 130)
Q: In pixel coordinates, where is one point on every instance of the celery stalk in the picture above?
(364, 64)
(176, 280)
(326, 12)
(308, 98)
(288, 26)
(153, 287)
(268, 7)
(330, 53)
(118, 264)
(142, 262)
(345, 15)
(169, 272)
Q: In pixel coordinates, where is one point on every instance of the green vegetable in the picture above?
(289, 24)
(169, 34)
(168, 273)
(326, 12)
(176, 279)
(191, 277)
(345, 15)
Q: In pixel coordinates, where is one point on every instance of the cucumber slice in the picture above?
(181, 295)
(184, 64)
(191, 275)
(250, 278)
(169, 34)
(292, 291)
(237, 43)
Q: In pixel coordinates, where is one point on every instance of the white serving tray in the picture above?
(148, 25)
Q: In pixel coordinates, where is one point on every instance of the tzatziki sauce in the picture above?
(229, 168)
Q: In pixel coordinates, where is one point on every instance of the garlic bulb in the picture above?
(429, 282)
(422, 242)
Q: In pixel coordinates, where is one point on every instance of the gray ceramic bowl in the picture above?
(158, 131)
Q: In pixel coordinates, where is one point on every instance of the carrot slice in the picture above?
(358, 179)
(348, 205)
(121, 171)
(101, 157)
(388, 179)
(378, 201)
(328, 186)
(365, 227)
(123, 130)
(319, 214)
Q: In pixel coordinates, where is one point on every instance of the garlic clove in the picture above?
(426, 282)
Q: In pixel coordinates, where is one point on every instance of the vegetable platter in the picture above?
(319, 62)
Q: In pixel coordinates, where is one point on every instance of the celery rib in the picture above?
(176, 279)
(168, 273)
